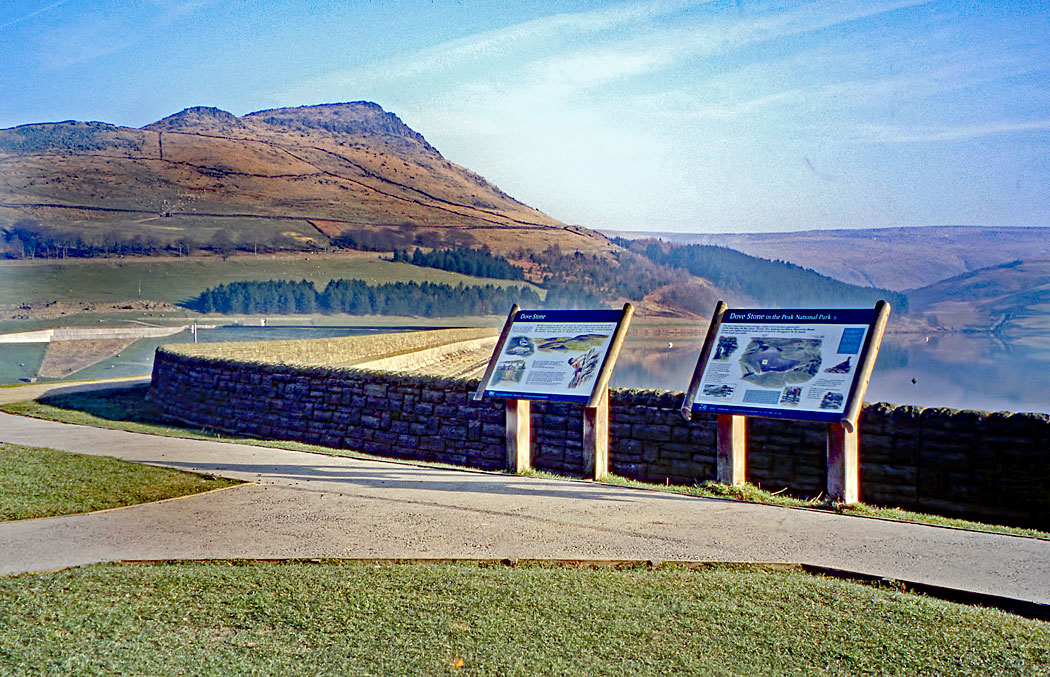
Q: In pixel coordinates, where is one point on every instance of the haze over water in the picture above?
(959, 371)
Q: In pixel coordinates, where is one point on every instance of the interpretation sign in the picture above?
(553, 354)
(799, 364)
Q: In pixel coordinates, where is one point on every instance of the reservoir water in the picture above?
(961, 371)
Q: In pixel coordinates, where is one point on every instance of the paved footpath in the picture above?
(310, 505)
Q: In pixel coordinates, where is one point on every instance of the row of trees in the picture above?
(626, 275)
(356, 297)
(575, 280)
(28, 239)
(476, 262)
(392, 238)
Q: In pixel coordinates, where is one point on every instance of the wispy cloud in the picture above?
(717, 98)
(38, 12)
(87, 35)
(527, 37)
(890, 134)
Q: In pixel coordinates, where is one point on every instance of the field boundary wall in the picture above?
(972, 464)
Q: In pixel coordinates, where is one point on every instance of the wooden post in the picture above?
(843, 464)
(519, 453)
(732, 449)
(596, 438)
(705, 352)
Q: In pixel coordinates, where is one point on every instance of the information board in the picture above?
(554, 354)
(800, 364)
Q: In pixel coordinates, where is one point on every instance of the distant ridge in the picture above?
(894, 258)
(1008, 299)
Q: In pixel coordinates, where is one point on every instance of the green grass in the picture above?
(353, 618)
(753, 494)
(174, 280)
(20, 360)
(37, 482)
(127, 409)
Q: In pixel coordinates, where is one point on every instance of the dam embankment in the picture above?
(89, 334)
(972, 464)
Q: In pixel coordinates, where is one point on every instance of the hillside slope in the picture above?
(284, 178)
(892, 258)
(1010, 298)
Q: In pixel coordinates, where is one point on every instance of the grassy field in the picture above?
(345, 618)
(176, 279)
(127, 409)
(37, 482)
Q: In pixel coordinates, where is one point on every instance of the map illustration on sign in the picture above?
(782, 363)
(552, 354)
(778, 362)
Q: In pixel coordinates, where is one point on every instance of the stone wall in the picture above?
(959, 463)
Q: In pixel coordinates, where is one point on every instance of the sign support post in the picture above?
(843, 464)
(519, 453)
(732, 449)
(843, 437)
(596, 439)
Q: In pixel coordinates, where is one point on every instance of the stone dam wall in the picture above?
(979, 465)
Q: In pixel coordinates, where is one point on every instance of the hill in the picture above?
(290, 178)
(1009, 299)
(893, 258)
(764, 282)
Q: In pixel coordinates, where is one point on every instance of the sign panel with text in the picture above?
(552, 354)
(800, 364)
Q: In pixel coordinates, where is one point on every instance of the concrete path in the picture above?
(311, 505)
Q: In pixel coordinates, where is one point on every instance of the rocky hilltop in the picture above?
(287, 178)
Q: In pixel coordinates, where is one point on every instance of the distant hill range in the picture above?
(288, 178)
(1008, 299)
(891, 258)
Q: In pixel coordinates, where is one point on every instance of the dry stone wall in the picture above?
(959, 463)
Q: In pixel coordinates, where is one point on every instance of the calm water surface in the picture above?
(961, 371)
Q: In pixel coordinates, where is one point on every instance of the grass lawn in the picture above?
(37, 482)
(177, 279)
(353, 618)
(127, 409)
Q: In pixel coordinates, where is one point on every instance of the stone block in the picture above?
(659, 433)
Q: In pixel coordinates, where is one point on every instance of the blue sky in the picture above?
(666, 116)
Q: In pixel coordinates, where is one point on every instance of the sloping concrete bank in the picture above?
(993, 466)
(89, 333)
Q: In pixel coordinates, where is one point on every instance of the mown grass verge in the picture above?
(37, 482)
(127, 409)
(352, 618)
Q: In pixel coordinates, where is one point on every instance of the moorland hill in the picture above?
(1008, 299)
(289, 178)
(892, 258)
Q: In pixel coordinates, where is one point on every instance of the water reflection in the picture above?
(961, 371)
